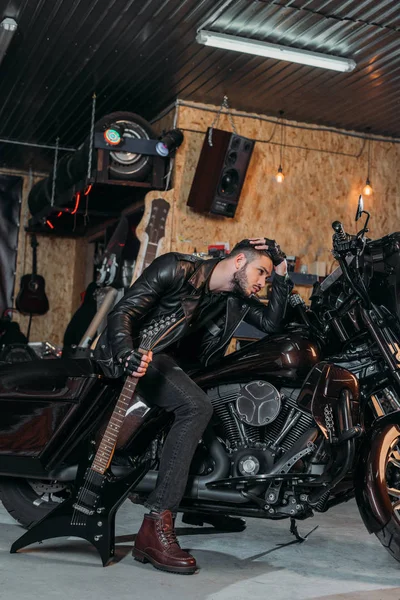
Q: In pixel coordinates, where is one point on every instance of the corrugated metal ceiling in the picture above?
(140, 55)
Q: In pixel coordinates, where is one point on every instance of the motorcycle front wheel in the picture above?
(389, 536)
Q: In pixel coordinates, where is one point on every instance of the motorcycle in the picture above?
(303, 420)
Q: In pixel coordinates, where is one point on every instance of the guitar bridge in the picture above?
(83, 509)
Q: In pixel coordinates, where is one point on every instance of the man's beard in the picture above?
(240, 283)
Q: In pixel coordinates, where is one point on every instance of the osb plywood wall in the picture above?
(324, 174)
(62, 262)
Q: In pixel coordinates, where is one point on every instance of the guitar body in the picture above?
(89, 512)
(94, 519)
(32, 299)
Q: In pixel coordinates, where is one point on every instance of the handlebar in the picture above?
(343, 244)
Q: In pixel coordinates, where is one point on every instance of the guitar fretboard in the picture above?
(107, 445)
(151, 254)
(34, 245)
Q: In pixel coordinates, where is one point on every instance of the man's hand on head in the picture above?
(278, 257)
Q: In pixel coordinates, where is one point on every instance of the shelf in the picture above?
(305, 279)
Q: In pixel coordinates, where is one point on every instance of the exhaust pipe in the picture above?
(197, 486)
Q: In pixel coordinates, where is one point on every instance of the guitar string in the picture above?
(87, 483)
(90, 478)
(76, 512)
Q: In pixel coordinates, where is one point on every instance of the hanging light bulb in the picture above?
(279, 176)
(367, 189)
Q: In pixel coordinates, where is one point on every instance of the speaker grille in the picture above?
(220, 173)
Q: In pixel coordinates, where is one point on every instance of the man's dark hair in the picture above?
(248, 250)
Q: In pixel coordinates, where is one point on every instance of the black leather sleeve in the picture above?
(268, 318)
(124, 322)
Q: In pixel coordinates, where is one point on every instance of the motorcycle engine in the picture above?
(259, 423)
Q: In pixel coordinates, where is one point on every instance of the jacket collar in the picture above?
(203, 272)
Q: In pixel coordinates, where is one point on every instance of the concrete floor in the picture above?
(340, 560)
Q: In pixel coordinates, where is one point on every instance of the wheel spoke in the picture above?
(393, 492)
(394, 461)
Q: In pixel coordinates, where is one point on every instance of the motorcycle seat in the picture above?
(51, 374)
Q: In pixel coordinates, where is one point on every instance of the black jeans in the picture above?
(168, 386)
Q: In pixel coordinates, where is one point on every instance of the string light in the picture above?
(77, 199)
(367, 189)
(280, 176)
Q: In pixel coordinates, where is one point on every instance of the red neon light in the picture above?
(87, 191)
(59, 214)
(78, 197)
(50, 224)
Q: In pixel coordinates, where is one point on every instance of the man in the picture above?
(215, 295)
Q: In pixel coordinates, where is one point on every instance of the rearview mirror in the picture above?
(360, 207)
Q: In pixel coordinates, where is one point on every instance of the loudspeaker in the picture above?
(220, 173)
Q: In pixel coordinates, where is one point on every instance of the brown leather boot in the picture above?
(156, 543)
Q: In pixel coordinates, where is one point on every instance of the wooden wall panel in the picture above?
(319, 187)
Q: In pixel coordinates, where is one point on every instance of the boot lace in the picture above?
(167, 534)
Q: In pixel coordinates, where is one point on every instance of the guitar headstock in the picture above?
(158, 329)
(158, 216)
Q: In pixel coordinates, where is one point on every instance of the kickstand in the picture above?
(295, 532)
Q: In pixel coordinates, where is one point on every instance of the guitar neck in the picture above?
(107, 445)
(150, 255)
(34, 256)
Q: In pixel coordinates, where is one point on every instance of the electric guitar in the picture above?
(32, 299)
(155, 231)
(90, 511)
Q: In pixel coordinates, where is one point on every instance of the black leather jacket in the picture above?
(172, 283)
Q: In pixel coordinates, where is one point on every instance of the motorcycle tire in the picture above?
(23, 502)
(389, 536)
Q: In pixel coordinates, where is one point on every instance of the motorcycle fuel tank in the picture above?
(281, 359)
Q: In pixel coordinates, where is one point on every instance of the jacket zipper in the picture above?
(222, 345)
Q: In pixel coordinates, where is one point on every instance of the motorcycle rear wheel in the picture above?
(30, 500)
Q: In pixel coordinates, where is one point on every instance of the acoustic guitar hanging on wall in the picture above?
(32, 299)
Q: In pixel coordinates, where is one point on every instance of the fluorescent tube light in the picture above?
(303, 57)
(8, 27)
